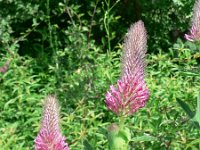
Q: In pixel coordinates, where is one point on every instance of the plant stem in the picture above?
(121, 122)
(53, 45)
(107, 22)
(49, 26)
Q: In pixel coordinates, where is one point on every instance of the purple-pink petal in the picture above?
(50, 141)
(194, 34)
(129, 100)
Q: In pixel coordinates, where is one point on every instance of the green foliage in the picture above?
(195, 117)
(166, 21)
(73, 49)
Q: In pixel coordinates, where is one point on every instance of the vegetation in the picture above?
(72, 48)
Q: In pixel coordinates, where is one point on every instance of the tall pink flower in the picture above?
(131, 92)
(194, 34)
(49, 136)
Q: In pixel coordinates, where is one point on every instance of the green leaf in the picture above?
(194, 145)
(144, 138)
(190, 73)
(87, 145)
(118, 138)
(197, 115)
(186, 108)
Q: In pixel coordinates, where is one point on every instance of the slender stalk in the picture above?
(121, 122)
(107, 28)
(53, 45)
(107, 22)
(49, 25)
(92, 18)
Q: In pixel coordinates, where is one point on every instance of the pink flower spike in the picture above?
(49, 136)
(5, 67)
(131, 92)
(194, 34)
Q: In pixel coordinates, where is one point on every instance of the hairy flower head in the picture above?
(131, 92)
(49, 136)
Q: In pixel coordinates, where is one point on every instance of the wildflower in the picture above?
(131, 92)
(50, 137)
(5, 67)
(194, 34)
